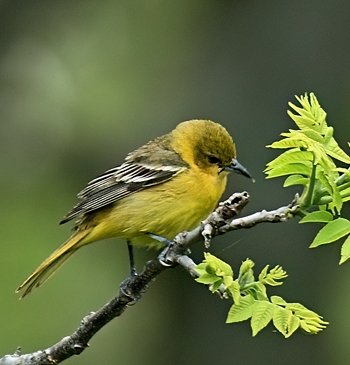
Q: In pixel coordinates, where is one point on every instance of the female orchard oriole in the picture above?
(164, 187)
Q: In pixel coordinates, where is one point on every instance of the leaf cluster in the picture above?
(309, 161)
(250, 300)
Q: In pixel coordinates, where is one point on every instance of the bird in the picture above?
(167, 186)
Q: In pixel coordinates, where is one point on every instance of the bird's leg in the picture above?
(133, 271)
(124, 289)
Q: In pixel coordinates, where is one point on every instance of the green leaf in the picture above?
(294, 155)
(295, 180)
(288, 143)
(242, 311)
(271, 278)
(325, 162)
(216, 266)
(301, 121)
(257, 290)
(281, 318)
(345, 251)
(336, 152)
(313, 116)
(234, 290)
(329, 134)
(344, 171)
(293, 325)
(299, 308)
(346, 198)
(200, 269)
(251, 300)
(332, 189)
(312, 327)
(318, 216)
(312, 134)
(208, 279)
(216, 286)
(227, 280)
(331, 232)
(309, 321)
(290, 169)
(299, 316)
(261, 316)
(246, 273)
(304, 112)
(263, 272)
(275, 299)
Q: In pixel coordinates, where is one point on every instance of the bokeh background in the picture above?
(82, 83)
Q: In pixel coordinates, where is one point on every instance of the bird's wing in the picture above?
(118, 183)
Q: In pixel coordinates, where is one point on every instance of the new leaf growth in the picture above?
(309, 161)
(250, 299)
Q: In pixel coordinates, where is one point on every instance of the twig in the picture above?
(220, 221)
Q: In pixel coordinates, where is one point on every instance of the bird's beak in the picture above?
(238, 168)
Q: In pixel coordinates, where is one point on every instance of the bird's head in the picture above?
(207, 145)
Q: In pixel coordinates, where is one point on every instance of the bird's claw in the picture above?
(126, 292)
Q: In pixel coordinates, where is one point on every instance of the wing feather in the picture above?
(118, 183)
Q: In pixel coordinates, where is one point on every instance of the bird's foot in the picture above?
(164, 257)
(126, 291)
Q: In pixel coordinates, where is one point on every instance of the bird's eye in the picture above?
(213, 160)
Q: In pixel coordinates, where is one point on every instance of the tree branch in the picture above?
(221, 221)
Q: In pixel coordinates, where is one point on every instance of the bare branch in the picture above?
(221, 221)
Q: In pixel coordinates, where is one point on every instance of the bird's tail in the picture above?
(53, 263)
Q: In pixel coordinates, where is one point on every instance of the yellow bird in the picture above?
(164, 187)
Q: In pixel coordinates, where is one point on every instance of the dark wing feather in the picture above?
(118, 183)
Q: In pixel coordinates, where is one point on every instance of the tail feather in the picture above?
(52, 263)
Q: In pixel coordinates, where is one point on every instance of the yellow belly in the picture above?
(166, 209)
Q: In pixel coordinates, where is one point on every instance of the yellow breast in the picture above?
(166, 209)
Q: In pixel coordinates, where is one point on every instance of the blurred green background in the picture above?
(82, 83)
